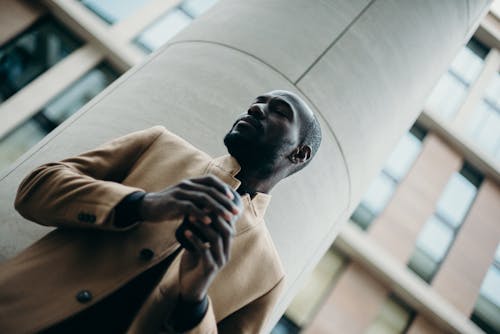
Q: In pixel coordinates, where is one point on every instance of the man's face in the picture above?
(268, 131)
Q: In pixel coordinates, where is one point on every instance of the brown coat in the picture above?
(38, 287)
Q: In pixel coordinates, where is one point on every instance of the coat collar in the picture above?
(226, 167)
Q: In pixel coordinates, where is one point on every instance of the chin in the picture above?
(249, 154)
(237, 145)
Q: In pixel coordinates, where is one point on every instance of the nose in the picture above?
(256, 110)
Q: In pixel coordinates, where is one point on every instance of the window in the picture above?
(305, 304)
(172, 23)
(285, 326)
(394, 318)
(113, 11)
(31, 53)
(487, 309)
(451, 90)
(382, 188)
(55, 112)
(484, 126)
(438, 233)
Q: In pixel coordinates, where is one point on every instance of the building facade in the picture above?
(55, 56)
(422, 251)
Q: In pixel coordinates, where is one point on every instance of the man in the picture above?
(114, 264)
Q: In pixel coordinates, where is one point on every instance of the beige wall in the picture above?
(15, 16)
(472, 252)
(420, 325)
(414, 201)
(353, 304)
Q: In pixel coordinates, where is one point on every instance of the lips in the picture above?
(251, 121)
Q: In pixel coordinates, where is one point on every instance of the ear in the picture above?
(301, 154)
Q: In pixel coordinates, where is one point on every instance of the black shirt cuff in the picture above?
(187, 315)
(127, 211)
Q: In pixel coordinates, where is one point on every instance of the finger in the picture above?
(202, 250)
(226, 231)
(214, 181)
(213, 192)
(205, 232)
(202, 200)
(193, 212)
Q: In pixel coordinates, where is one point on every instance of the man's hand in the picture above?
(200, 265)
(196, 198)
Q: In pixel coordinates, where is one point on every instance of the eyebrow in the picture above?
(282, 101)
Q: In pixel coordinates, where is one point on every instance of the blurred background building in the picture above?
(422, 251)
(421, 254)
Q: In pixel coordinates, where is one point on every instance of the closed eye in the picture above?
(280, 108)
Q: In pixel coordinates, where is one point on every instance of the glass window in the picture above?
(467, 65)
(318, 284)
(164, 29)
(19, 141)
(451, 90)
(113, 11)
(363, 216)
(196, 7)
(491, 285)
(456, 199)
(403, 156)
(435, 238)
(14, 144)
(484, 125)
(381, 190)
(394, 318)
(447, 96)
(492, 92)
(487, 309)
(78, 94)
(171, 23)
(423, 265)
(379, 193)
(439, 232)
(31, 53)
(285, 326)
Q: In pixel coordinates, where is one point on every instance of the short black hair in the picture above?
(311, 135)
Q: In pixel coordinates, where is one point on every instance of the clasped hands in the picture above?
(209, 205)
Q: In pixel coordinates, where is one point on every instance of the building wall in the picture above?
(456, 285)
(352, 305)
(473, 251)
(414, 201)
(15, 16)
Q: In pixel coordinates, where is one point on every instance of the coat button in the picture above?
(84, 296)
(146, 254)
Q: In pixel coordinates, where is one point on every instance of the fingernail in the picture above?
(236, 211)
(230, 194)
(192, 219)
(227, 216)
(207, 220)
(188, 233)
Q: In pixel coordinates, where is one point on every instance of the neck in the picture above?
(252, 182)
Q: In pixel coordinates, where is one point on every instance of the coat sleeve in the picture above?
(253, 317)
(250, 319)
(82, 191)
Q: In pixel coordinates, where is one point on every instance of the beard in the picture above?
(253, 156)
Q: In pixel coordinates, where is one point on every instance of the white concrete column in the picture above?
(364, 66)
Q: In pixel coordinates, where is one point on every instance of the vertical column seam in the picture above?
(342, 33)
